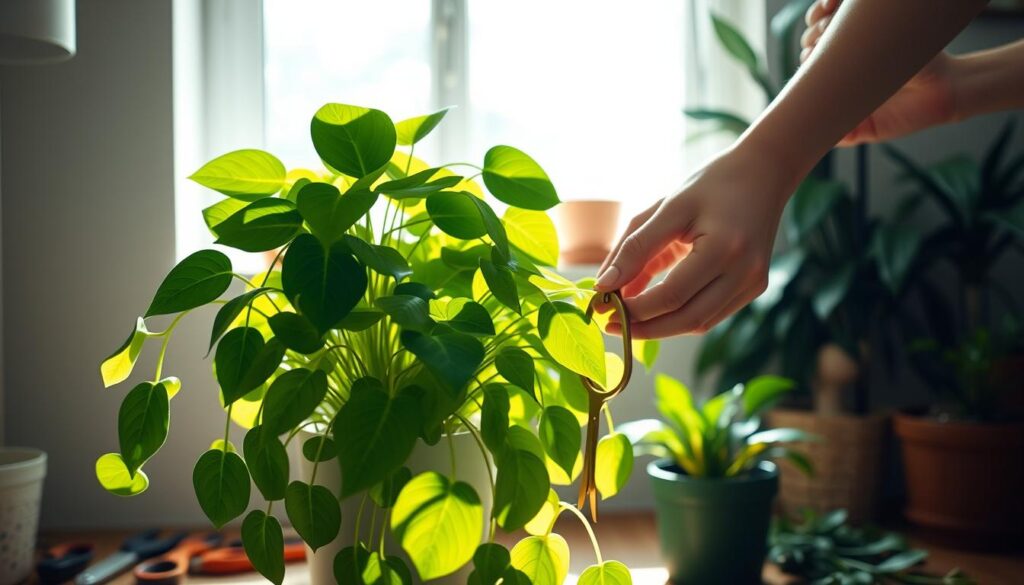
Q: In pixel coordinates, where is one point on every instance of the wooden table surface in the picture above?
(630, 538)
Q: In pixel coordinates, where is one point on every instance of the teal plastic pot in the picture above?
(713, 530)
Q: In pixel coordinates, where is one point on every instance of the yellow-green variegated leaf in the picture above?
(572, 340)
(172, 384)
(614, 464)
(607, 573)
(223, 445)
(543, 559)
(243, 174)
(558, 475)
(532, 232)
(118, 366)
(545, 518)
(113, 475)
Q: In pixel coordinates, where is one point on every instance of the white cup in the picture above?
(21, 490)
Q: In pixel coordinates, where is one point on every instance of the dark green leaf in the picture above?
(407, 311)
(811, 204)
(319, 449)
(230, 311)
(489, 564)
(354, 140)
(374, 433)
(415, 289)
(468, 259)
(264, 545)
(360, 319)
(418, 185)
(267, 461)
(465, 216)
(737, 46)
(452, 357)
(142, 424)
(901, 561)
(215, 214)
(244, 361)
(314, 513)
(323, 285)
(383, 259)
(832, 291)
(221, 482)
(198, 279)
(559, 433)
(521, 487)
(515, 178)
(264, 224)
(896, 250)
(296, 333)
(390, 570)
(516, 366)
(501, 284)
(386, 492)
(349, 564)
(292, 398)
(415, 129)
(494, 417)
(329, 213)
(474, 319)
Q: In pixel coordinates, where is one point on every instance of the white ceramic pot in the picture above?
(470, 468)
(21, 489)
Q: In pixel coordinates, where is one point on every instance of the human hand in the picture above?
(927, 99)
(716, 238)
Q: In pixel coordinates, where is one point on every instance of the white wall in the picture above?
(88, 233)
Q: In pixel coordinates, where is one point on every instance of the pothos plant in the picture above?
(405, 309)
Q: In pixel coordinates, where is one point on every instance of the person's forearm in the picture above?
(989, 81)
(871, 49)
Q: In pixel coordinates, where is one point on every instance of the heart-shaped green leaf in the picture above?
(438, 523)
(361, 319)
(296, 333)
(267, 461)
(382, 259)
(572, 340)
(516, 366)
(521, 486)
(474, 319)
(263, 541)
(501, 283)
(560, 435)
(614, 464)
(329, 213)
(413, 130)
(534, 233)
(243, 174)
(244, 361)
(607, 573)
(314, 513)
(350, 563)
(217, 213)
(452, 357)
(515, 178)
(142, 424)
(494, 417)
(389, 570)
(319, 449)
(114, 477)
(467, 217)
(375, 434)
(323, 284)
(221, 483)
(292, 398)
(198, 279)
(264, 224)
(490, 562)
(418, 185)
(385, 493)
(543, 559)
(409, 312)
(353, 139)
(119, 365)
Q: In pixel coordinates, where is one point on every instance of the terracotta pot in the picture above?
(965, 481)
(586, 230)
(848, 463)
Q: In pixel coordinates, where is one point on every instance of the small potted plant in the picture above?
(713, 482)
(961, 455)
(413, 348)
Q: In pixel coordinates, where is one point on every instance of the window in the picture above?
(592, 89)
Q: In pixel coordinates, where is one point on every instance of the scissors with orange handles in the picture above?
(171, 568)
(232, 559)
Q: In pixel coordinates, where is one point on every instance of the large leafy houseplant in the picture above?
(404, 310)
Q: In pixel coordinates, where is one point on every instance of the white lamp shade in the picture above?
(36, 31)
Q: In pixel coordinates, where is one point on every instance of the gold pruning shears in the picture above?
(598, 396)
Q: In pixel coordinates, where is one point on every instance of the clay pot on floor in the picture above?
(586, 230)
(965, 481)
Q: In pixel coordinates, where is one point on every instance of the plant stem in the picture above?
(163, 346)
(451, 450)
(590, 531)
(608, 417)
